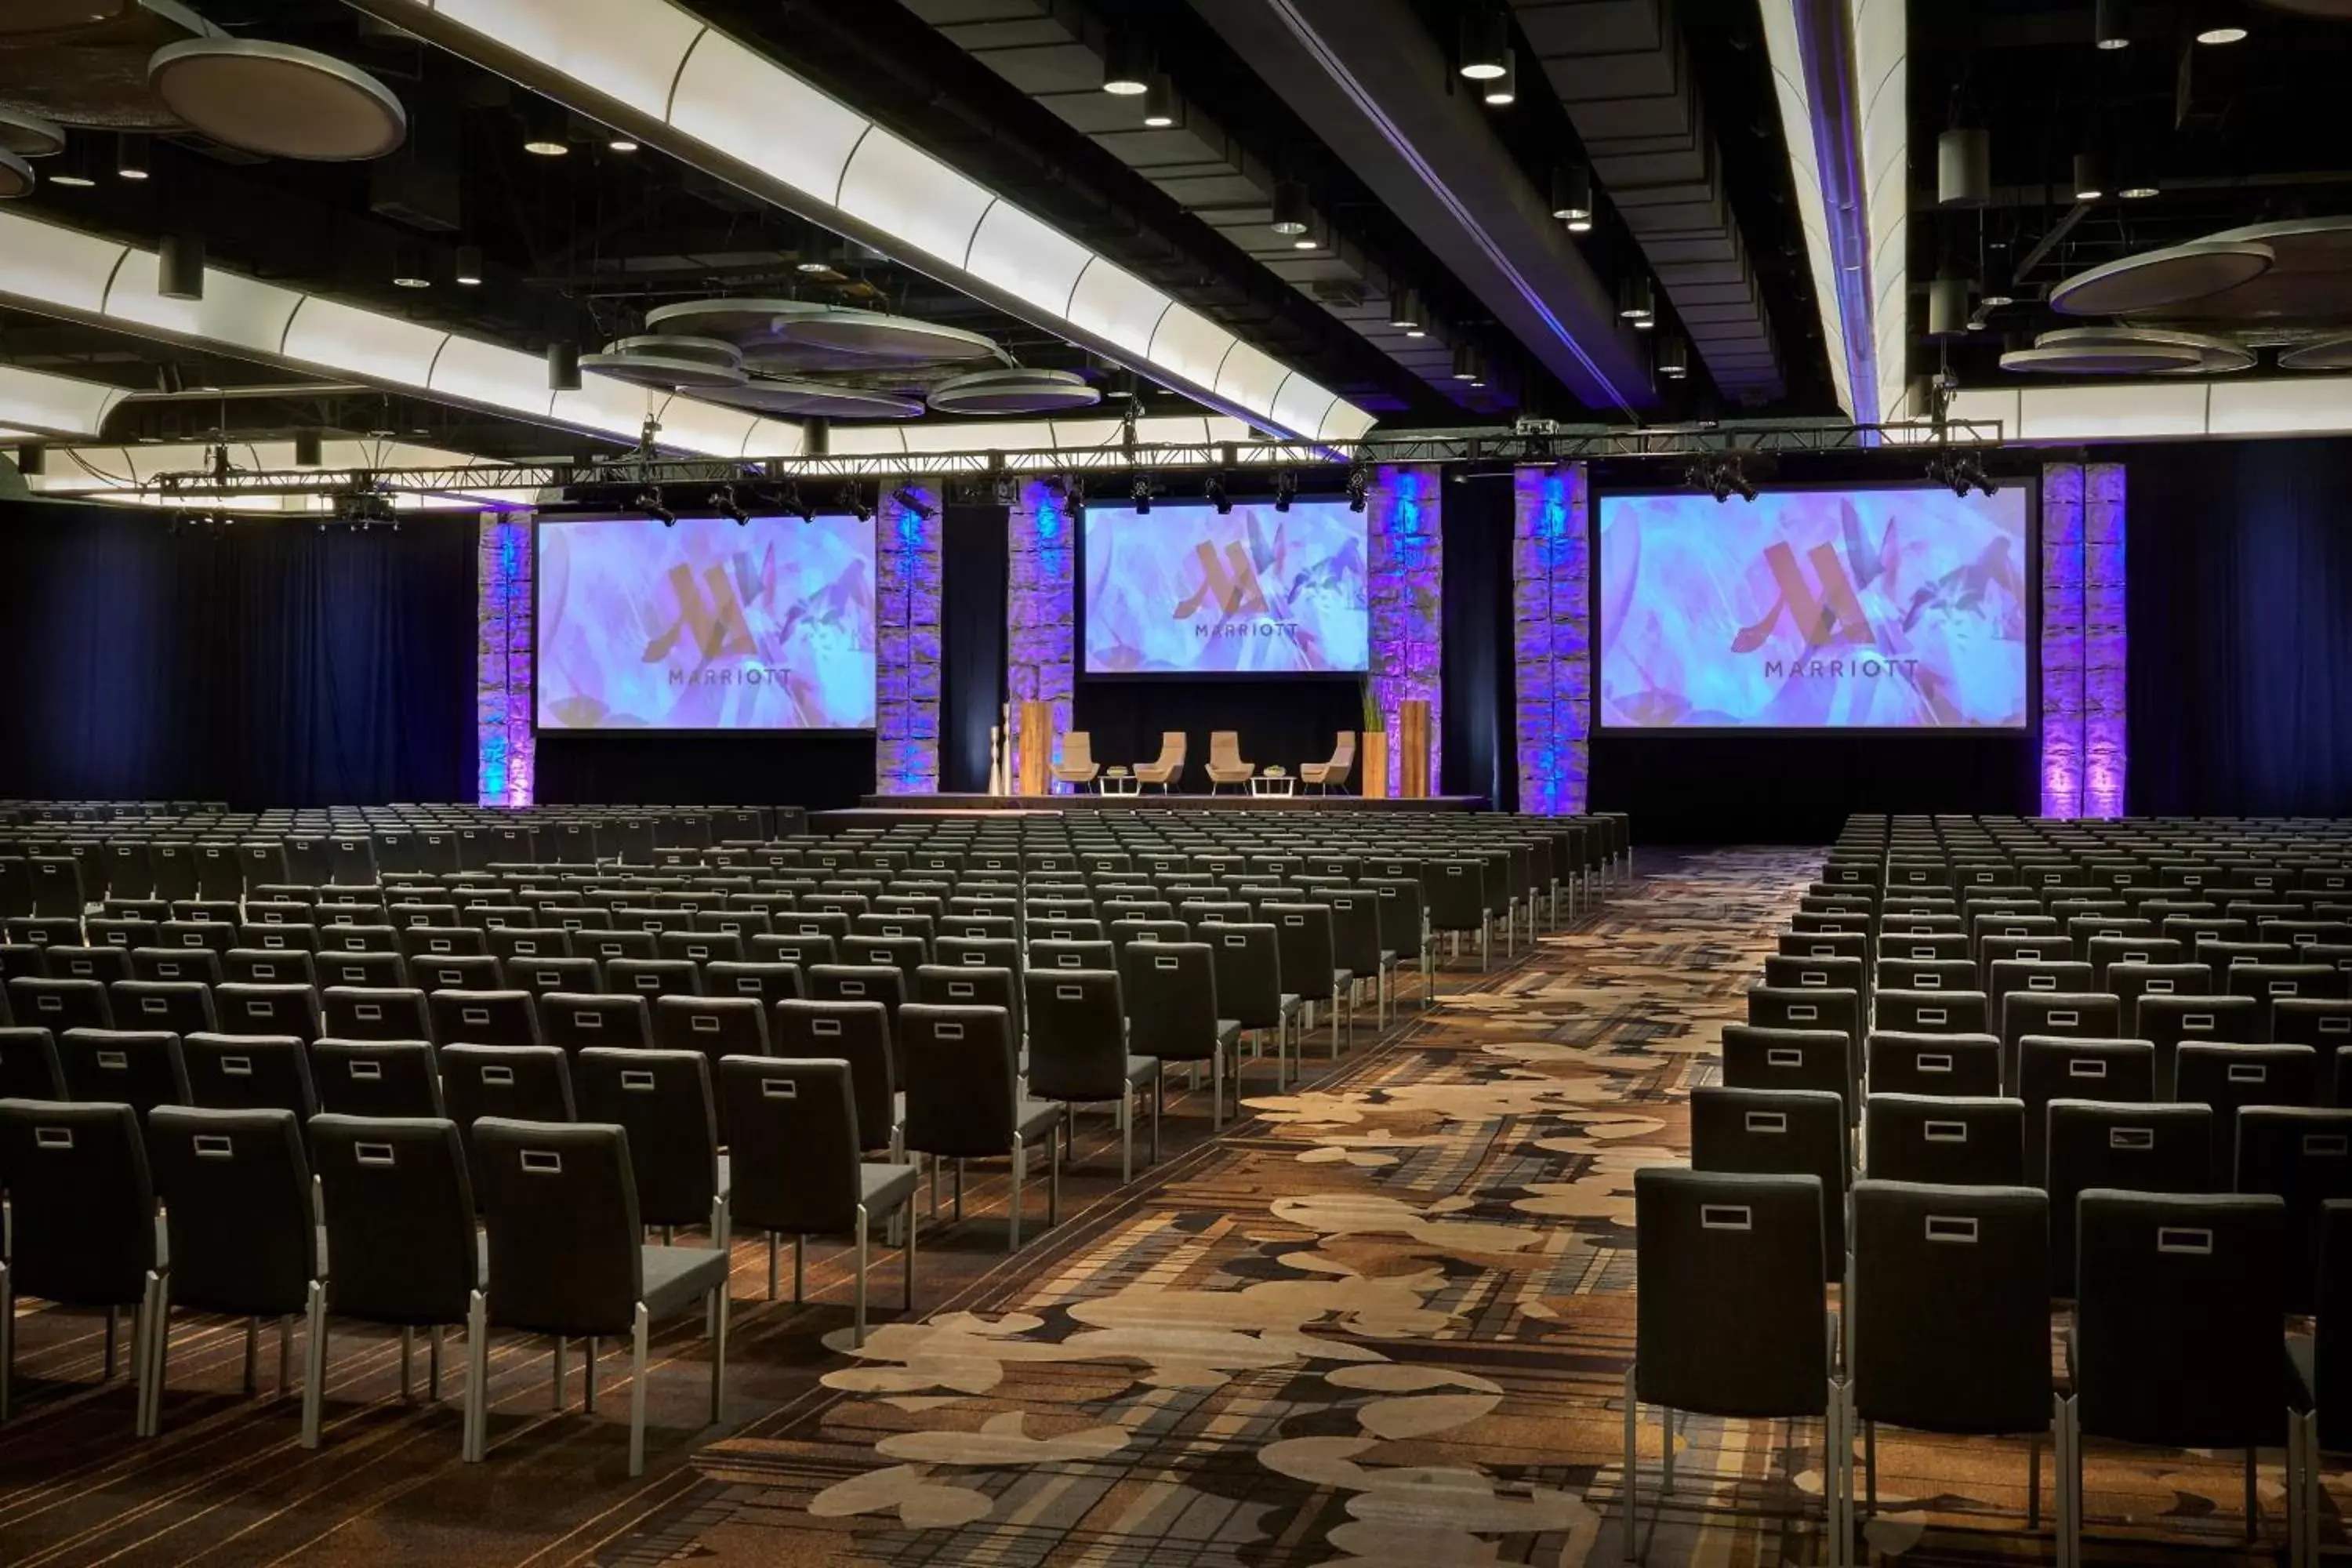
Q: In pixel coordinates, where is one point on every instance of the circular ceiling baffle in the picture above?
(278, 100)
(897, 340)
(772, 395)
(2127, 350)
(663, 371)
(89, 71)
(2327, 353)
(15, 176)
(743, 322)
(2193, 271)
(57, 16)
(30, 136)
(1014, 391)
(716, 351)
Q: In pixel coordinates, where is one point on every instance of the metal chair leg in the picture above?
(1021, 1169)
(114, 1329)
(314, 1364)
(588, 1375)
(1631, 1500)
(637, 1395)
(858, 1319)
(718, 1356)
(557, 1363)
(477, 1369)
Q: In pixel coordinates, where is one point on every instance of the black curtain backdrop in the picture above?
(971, 642)
(269, 664)
(1282, 721)
(1478, 743)
(821, 771)
(2240, 560)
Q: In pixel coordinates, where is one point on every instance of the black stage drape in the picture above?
(2240, 562)
(1282, 721)
(971, 642)
(268, 664)
(821, 771)
(1478, 746)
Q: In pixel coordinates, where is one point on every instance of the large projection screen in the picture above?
(706, 624)
(1893, 608)
(1182, 590)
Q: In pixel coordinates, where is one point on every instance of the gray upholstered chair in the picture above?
(964, 1100)
(1078, 1049)
(1225, 765)
(1165, 770)
(1332, 774)
(1077, 767)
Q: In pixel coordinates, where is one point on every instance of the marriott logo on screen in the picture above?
(1232, 581)
(717, 623)
(741, 675)
(1825, 619)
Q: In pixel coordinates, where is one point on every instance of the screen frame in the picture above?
(2028, 730)
(565, 735)
(1078, 670)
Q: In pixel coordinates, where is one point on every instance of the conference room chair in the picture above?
(530, 942)
(1311, 968)
(964, 1100)
(797, 1169)
(883, 982)
(2170, 1021)
(2006, 978)
(1760, 1353)
(698, 947)
(2077, 1014)
(1807, 1008)
(971, 986)
(2104, 952)
(38, 1001)
(2176, 1342)
(1946, 1066)
(502, 1017)
(1246, 958)
(610, 945)
(1786, 971)
(653, 977)
(399, 1216)
(1077, 766)
(376, 1078)
(1904, 1012)
(82, 1231)
(1079, 1052)
(538, 976)
(1912, 1360)
(104, 964)
(250, 1072)
(368, 1013)
(858, 1033)
(1165, 769)
(2069, 1067)
(714, 1027)
(2101, 1144)
(1945, 1140)
(1779, 1131)
(1121, 932)
(1755, 1057)
(663, 1098)
(567, 1258)
(1226, 763)
(1830, 945)
(375, 970)
(430, 941)
(474, 972)
(521, 1083)
(1170, 993)
(270, 966)
(2303, 1155)
(1357, 947)
(267, 1009)
(125, 932)
(139, 1067)
(242, 1228)
(29, 1065)
(1332, 774)
(764, 983)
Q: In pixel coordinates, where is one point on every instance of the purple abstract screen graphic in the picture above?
(1895, 608)
(1182, 590)
(708, 625)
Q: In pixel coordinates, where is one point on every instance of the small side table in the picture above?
(1273, 785)
(1118, 780)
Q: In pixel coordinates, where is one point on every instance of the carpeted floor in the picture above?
(1384, 1320)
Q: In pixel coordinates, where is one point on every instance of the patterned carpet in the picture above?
(1383, 1321)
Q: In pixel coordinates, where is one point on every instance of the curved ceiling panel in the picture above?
(1030, 260)
(905, 192)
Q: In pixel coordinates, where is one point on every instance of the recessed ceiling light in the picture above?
(1160, 103)
(1485, 43)
(2137, 193)
(1305, 242)
(622, 144)
(411, 281)
(131, 157)
(78, 182)
(2221, 35)
(1127, 64)
(1995, 301)
(811, 266)
(1292, 213)
(545, 147)
(468, 270)
(1504, 90)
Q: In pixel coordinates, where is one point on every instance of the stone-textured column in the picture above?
(1041, 622)
(1406, 578)
(906, 537)
(505, 752)
(2062, 640)
(1551, 638)
(2106, 642)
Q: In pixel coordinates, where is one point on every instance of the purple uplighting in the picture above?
(906, 537)
(505, 748)
(1040, 578)
(1551, 636)
(1406, 578)
(2085, 757)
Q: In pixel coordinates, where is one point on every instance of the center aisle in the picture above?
(1338, 1334)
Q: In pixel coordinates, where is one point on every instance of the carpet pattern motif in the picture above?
(1383, 1320)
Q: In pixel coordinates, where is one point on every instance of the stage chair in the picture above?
(1169, 766)
(1326, 777)
(1077, 767)
(1225, 765)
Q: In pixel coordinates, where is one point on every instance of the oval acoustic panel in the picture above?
(671, 345)
(776, 395)
(2327, 353)
(1014, 391)
(663, 371)
(15, 176)
(2336, 10)
(2309, 279)
(29, 135)
(55, 16)
(278, 100)
(92, 75)
(2126, 350)
(743, 322)
(897, 340)
(2194, 271)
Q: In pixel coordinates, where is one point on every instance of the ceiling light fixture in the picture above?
(1485, 43)
(544, 133)
(1292, 212)
(2090, 177)
(723, 502)
(855, 502)
(1636, 302)
(179, 267)
(1160, 102)
(2227, 33)
(798, 505)
(562, 365)
(1360, 484)
(74, 169)
(1218, 496)
(618, 142)
(468, 270)
(1674, 357)
(408, 270)
(1406, 313)
(131, 157)
(2137, 190)
(1286, 487)
(1139, 495)
(649, 501)
(1571, 197)
(1308, 240)
(1503, 90)
(1127, 64)
(1995, 301)
(1469, 364)
(2108, 24)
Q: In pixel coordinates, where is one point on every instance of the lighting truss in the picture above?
(1498, 447)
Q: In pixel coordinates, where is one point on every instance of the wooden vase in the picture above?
(1373, 758)
(1412, 745)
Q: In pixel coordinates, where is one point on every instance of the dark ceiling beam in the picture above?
(1366, 77)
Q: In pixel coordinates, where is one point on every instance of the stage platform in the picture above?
(881, 810)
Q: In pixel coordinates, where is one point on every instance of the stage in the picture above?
(882, 810)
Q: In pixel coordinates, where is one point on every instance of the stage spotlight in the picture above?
(1139, 492)
(908, 500)
(797, 504)
(1286, 487)
(723, 502)
(1359, 482)
(1005, 490)
(649, 501)
(854, 499)
(1215, 490)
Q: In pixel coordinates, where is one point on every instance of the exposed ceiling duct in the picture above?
(1365, 74)
(1625, 75)
(1047, 49)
